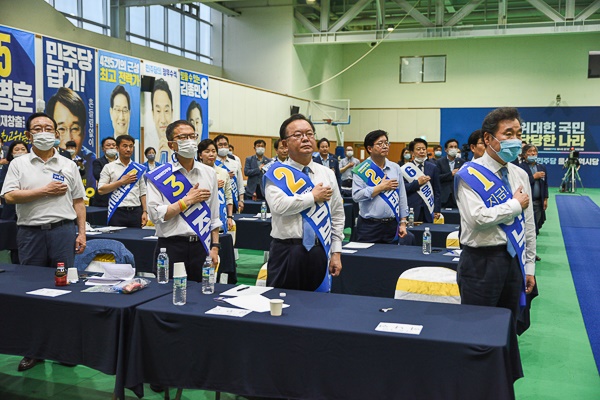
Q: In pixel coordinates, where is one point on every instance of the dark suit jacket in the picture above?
(543, 184)
(254, 174)
(412, 192)
(446, 178)
(99, 200)
(334, 164)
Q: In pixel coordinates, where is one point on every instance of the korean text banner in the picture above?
(118, 95)
(554, 130)
(17, 82)
(193, 88)
(70, 93)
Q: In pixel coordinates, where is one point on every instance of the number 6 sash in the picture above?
(174, 186)
(493, 192)
(411, 173)
(293, 182)
(119, 194)
(234, 188)
(370, 172)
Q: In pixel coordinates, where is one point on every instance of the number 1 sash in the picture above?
(370, 172)
(493, 192)
(234, 188)
(174, 186)
(119, 194)
(293, 182)
(410, 172)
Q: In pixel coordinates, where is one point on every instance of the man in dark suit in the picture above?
(538, 182)
(449, 166)
(431, 175)
(109, 148)
(328, 160)
(253, 169)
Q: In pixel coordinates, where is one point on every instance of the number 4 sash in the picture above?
(234, 188)
(119, 194)
(411, 173)
(293, 182)
(493, 192)
(174, 186)
(370, 172)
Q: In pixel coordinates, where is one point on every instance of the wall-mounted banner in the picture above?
(17, 82)
(118, 95)
(193, 88)
(70, 94)
(554, 130)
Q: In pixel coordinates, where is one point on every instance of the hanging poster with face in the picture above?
(193, 88)
(70, 91)
(119, 96)
(17, 83)
(160, 107)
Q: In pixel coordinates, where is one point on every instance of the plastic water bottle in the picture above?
(411, 218)
(427, 241)
(208, 276)
(263, 211)
(162, 266)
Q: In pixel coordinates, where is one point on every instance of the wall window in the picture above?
(423, 69)
(90, 15)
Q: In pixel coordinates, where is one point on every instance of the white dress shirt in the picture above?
(157, 203)
(480, 223)
(286, 221)
(347, 174)
(112, 172)
(224, 176)
(31, 172)
(236, 167)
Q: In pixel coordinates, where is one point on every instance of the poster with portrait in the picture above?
(193, 88)
(118, 96)
(17, 83)
(160, 107)
(69, 73)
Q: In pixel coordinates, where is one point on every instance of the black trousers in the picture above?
(371, 231)
(180, 249)
(291, 266)
(130, 217)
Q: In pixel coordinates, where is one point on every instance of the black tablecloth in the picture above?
(451, 216)
(96, 215)
(374, 271)
(90, 329)
(439, 233)
(324, 347)
(252, 207)
(8, 234)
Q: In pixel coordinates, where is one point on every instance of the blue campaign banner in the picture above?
(554, 130)
(70, 94)
(193, 88)
(119, 82)
(17, 82)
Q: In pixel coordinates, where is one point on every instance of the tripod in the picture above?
(568, 183)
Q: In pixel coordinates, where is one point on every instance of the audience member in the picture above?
(347, 164)
(151, 162)
(234, 168)
(539, 185)
(109, 148)
(254, 170)
(405, 156)
(449, 166)
(327, 159)
(476, 144)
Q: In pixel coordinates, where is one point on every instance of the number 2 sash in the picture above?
(174, 186)
(410, 172)
(234, 188)
(493, 192)
(119, 194)
(293, 182)
(370, 172)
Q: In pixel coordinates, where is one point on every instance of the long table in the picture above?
(439, 233)
(325, 346)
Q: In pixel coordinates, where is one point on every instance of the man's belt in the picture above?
(129, 208)
(380, 220)
(48, 227)
(186, 239)
(295, 241)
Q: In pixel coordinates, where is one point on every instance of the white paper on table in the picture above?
(399, 328)
(258, 303)
(230, 312)
(248, 219)
(246, 290)
(448, 209)
(453, 252)
(347, 251)
(151, 237)
(91, 233)
(109, 228)
(49, 292)
(113, 274)
(357, 245)
(456, 259)
(258, 215)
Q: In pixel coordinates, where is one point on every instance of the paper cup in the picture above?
(72, 275)
(179, 270)
(276, 307)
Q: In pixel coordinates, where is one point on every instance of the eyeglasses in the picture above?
(185, 137)
(123, 111)
(382, 144)
(38, 129)
(299, 134)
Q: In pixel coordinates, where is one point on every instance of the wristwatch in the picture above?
(217, 245)
(230, 216)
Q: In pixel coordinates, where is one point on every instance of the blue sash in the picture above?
(372, 175)
(493, 192)
(293, 182)
(118, 195)
(411, 173)
(223, 208)
(234, 188)
(174, 186)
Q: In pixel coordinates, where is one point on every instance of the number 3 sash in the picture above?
(119, 194)
(174, 186)
(493, 192)
(293, 182)
(410, 172)
(234, 188)
(370, 172)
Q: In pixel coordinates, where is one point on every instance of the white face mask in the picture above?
(71, 151)
(15, 155)
(187, 148)
(260, 151)
(349, 154)
(112, 153)
(452, 152)
(420, 160)
(222, 152)
(43, 141)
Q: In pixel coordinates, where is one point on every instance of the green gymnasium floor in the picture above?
(556, 354)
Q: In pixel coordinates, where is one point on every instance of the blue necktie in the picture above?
(509, 247)
(308, 234)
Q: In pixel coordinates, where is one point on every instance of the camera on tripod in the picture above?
(573, 158)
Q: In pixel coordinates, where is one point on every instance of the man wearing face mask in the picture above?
(538, 183)
(49, 196)
(497, 264)
(437, 154)
(187, 221)
(72, 150)
(346, 166)
(109, 148)
(254, 170)
(449, 166)
(234, 168)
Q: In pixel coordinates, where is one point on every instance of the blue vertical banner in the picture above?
(118, 96)
(17, 82)
(194, 100)
(69, 72)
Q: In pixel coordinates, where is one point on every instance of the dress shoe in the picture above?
(537, 258)
(28, 363)
(157, 388)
